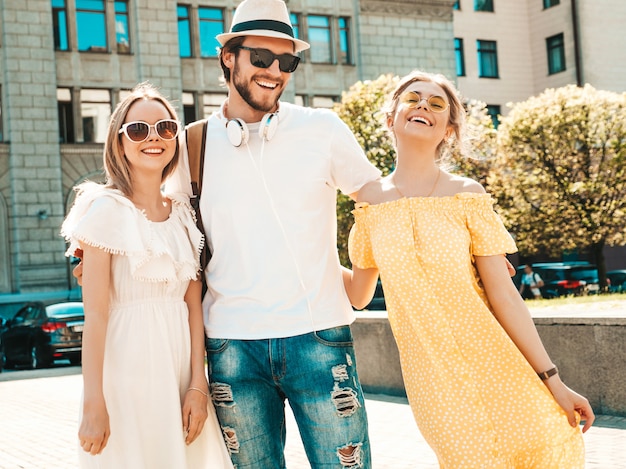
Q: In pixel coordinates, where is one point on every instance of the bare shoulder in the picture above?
(377, 191)
(453, 184)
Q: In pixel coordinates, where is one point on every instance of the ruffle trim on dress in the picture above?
(157, 251)
(462, 199)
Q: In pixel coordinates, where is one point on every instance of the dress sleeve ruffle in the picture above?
(359, 242)
(104, 218)
(488, 234)
(181, 208)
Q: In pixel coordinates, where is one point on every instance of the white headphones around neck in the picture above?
(238, 133)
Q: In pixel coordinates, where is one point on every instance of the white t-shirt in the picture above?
(269, 213)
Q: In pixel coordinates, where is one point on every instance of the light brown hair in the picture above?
(116, 165)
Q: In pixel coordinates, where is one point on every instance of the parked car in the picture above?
(617, 280)
(38, 334)
(564, 278)
(378, 301)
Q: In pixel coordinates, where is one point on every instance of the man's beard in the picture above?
(245, 91)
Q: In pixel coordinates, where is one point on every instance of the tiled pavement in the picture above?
(38, 422)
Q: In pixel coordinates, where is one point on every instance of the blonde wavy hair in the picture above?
(457, 111)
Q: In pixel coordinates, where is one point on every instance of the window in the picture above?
(91, 25)
(1, 127)
(345, 57)
(487, 59)
(457, 5)
(319, 38)
(550, 3)
(122, 36)
(66, 115)
(184, 31)
(59, 25)
(189, 107)
(483, 5)
(295, 24)
(460, 57)
(95, 110)
(494, 112)
(211, 24)
(323, 102)
(556, 54)
(212, 102)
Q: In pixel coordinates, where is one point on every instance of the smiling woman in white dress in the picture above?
(145, 398)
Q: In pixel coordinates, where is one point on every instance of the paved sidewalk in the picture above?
(38, 423)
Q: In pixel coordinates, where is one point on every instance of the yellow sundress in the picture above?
(476, 400)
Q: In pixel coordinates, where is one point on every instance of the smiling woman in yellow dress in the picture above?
(482, 388)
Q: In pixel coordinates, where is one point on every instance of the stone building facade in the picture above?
(530, 45)
(65, 63)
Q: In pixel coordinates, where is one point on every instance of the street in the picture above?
(39, 411)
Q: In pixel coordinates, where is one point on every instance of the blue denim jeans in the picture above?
(316, 373)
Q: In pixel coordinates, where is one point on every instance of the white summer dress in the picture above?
(147, 366)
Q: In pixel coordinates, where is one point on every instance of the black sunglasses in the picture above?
(264, 58)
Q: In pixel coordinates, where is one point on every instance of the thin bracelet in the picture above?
(546, 374)
(199, 390)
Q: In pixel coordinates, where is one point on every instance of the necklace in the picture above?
(427, 195)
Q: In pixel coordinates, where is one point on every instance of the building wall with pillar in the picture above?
(50, 130)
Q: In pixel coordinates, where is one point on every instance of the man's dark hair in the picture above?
(231, 46)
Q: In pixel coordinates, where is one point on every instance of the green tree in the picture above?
(559, 176)
(360, 109)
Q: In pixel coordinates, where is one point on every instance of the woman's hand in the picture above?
(195, 412)
(94, 430)
(571, 402)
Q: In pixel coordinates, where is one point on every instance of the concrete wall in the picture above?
(590, 354)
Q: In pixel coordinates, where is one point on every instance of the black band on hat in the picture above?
(269, 25)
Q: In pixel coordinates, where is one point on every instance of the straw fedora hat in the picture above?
(266, 18)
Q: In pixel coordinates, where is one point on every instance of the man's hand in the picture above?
(78, 270)
(509, 266)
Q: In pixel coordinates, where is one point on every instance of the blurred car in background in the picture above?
(38, 334)
(378, 301)
(617, 280)
(564, 278)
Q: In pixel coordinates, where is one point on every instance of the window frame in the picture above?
(484, 5)
(556, 45)
(60, 31)
(494, 110)
(550, 3)
(459, 55)
(344, 43)
(65, 113)
(317, 47)
(83, 11)
(188, 36)
(484, 54)
(104, 122)
(210, 36)
(122, 48)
